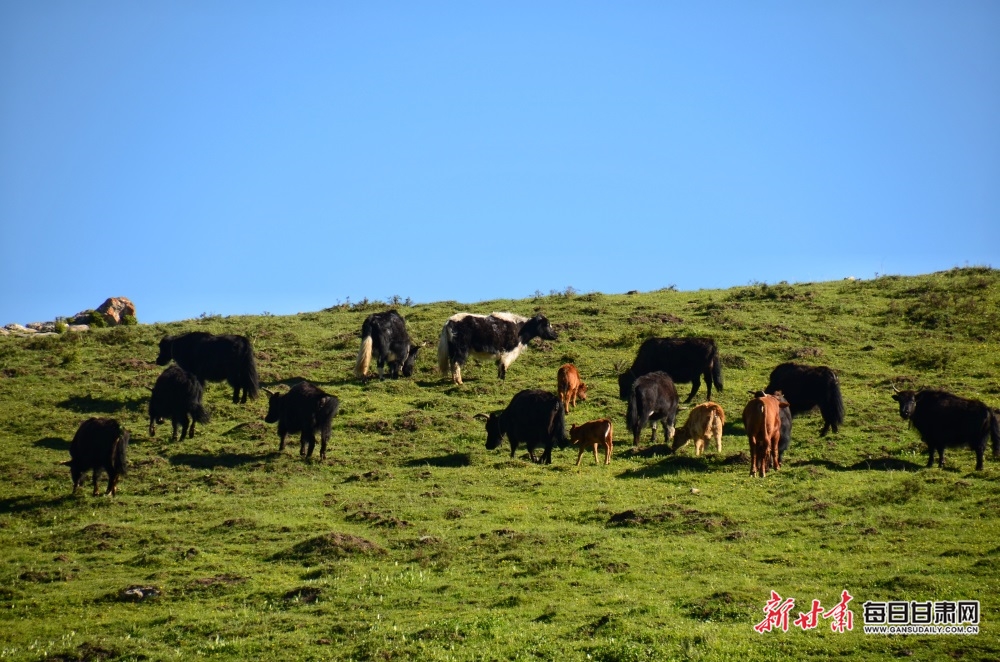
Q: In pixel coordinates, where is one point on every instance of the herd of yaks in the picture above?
(534, 417)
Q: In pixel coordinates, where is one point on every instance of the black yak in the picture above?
(177, 395)
(653, 398)
(943, 419)
(385, 336)
(501, 336)
(214, 359)
(305, 409)
(684, 359)
(806, 387)
(99, 444)
(533, 417)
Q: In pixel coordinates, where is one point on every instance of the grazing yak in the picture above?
(569, 386)
(502, 336)
(943, 419)
(704, 423)
(533, 417)
(176, 395)
(214, 359)
(305, 409)
(99, 444)
(684, 359)
(762, 421)
(591, 435)
(653, 398)
(806, 387)
(384, 334)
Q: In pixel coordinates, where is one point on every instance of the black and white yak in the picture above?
(501, 336)
(384, 336)
(214, 359)
(943, 419)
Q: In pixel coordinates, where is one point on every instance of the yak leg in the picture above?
(694, 389)
(708, 384)
(281, 447)
(173, 423)
(607, 452)
(307, 438)
(456, 372)
(653, 425)
(930, 459)
(579, 456)
(979, 457)
(826, 428)
(97, 476)
(941, 458)
(324, 437)
(112, 484)
(596, 461)
(501, 370)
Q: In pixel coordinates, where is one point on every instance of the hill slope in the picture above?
(414, 541)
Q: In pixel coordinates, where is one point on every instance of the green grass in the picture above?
(412, 541)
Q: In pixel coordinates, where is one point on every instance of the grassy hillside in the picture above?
(414, 542)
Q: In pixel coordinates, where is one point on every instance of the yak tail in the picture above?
(717, 370)
(248, 380)
(200, 415)
(119, 453)
(837, 401)
(995, 432)
(443, 359)
(328, 408)
(557, 425)
(364, 357)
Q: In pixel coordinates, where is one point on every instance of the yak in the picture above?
(99, 444)
(944, 419)
(533, 417)
(806, 387)
(684, 359)
(501, 336)
(305, 409)
(176, 395)
(653, 398)
(214, 359)
(385, 336)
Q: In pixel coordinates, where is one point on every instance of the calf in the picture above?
(807, 387)
(501, 336)
(569, 385)
(704, 423)
(305, 409)
(684, 359)
(385, 334)
(533, 417)
(591, 435)
(943, 419)
(214, 359)
(176, 394)
(653, 398)
(99, 444)
(762, 421)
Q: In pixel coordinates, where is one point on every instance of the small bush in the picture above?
(129, 320)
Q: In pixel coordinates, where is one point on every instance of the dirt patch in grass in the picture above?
(674, 517)
(331, 545)
(304, 594)
(723, 606)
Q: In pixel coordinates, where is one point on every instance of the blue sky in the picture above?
(241, 157)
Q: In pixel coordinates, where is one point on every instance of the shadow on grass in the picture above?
(672, 465)
(52, 443)
(450, 460)
(877, 464)
(88, 404)
(24, 504)
(228, 460)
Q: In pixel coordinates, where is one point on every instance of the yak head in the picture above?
(275, 406)
(538, 326)
(907, 402)
(494, 430)
(165, 351)
(625, 381)
(411, 360)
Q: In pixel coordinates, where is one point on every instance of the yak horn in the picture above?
(482, 416)
(269, 392)
(896, 390)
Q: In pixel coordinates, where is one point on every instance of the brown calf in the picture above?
(762, 421)
(570, 386)
(591, 435)
(703, 424)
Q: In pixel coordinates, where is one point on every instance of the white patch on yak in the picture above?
(510, 317)
(506, 358)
